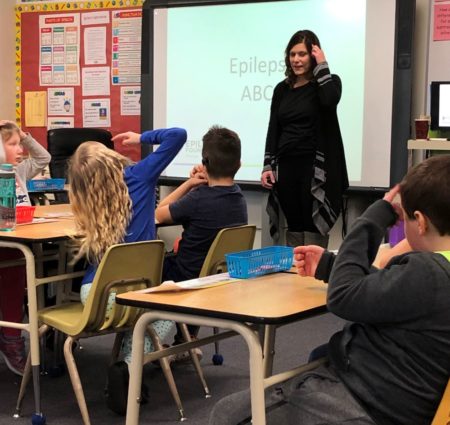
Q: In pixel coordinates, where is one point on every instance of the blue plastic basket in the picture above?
(45, 185)
(257, 262)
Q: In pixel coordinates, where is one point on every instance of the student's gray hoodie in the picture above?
(31, 166)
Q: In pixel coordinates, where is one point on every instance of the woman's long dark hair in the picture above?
(303, 36)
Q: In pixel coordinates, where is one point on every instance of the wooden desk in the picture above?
(44, 232)
(270, 300)
(22, 238)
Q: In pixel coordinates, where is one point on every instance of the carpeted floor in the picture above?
(294, 342)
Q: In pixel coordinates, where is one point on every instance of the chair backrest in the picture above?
(124, 267)
(63, 142)
(230, 239)
(442, 415)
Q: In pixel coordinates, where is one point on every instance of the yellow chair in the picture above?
(124, 267)
(442, 416)
(230, 239)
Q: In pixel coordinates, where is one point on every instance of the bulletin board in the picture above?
(78, 64)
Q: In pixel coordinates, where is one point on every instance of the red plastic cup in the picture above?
(422, 126)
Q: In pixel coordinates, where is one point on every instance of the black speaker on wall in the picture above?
(146, 76)
(402, 92)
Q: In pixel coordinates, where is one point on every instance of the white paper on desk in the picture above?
(59, 215)
(38, 220)
(200, 283)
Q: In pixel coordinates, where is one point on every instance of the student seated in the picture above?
(204, 204)
(113, 201)
(13, 279)
(391, 363)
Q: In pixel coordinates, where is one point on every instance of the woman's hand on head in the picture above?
(307, 258)
(268, 179)
(128, 138)
(318, 54)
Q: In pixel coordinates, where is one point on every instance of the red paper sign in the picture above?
(441, 30)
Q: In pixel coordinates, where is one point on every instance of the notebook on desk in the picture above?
(200, 283)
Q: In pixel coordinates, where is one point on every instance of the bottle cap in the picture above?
(6, 167)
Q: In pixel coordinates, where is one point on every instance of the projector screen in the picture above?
(219, 63)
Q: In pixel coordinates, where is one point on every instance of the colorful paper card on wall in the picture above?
(59, 45)
(126, 46)
(35, 108)
(441, 29)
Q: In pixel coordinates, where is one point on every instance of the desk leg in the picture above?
(269, 349)
(249, 335)
(137, 360)
(33, 326)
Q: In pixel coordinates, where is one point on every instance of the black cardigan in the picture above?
(330, 174)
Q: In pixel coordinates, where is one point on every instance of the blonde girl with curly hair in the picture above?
(113, 201)
(97, 184)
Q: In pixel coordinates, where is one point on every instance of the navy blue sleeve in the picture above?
(184, 209)
(171, 140)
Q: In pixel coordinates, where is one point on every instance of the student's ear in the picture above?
(422, 222)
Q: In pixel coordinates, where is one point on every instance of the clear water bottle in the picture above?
(7, 197)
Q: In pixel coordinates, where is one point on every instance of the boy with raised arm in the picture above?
(204, 204)
(391, 363)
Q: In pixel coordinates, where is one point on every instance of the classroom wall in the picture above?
(256, 200)
(439, 56)
(358, 203)
(7, 65)
(420, 64)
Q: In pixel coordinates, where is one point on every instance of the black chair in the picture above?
(63, 142)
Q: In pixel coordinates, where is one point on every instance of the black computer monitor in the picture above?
(440, 105)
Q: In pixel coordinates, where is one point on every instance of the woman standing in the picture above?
(304, 159)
